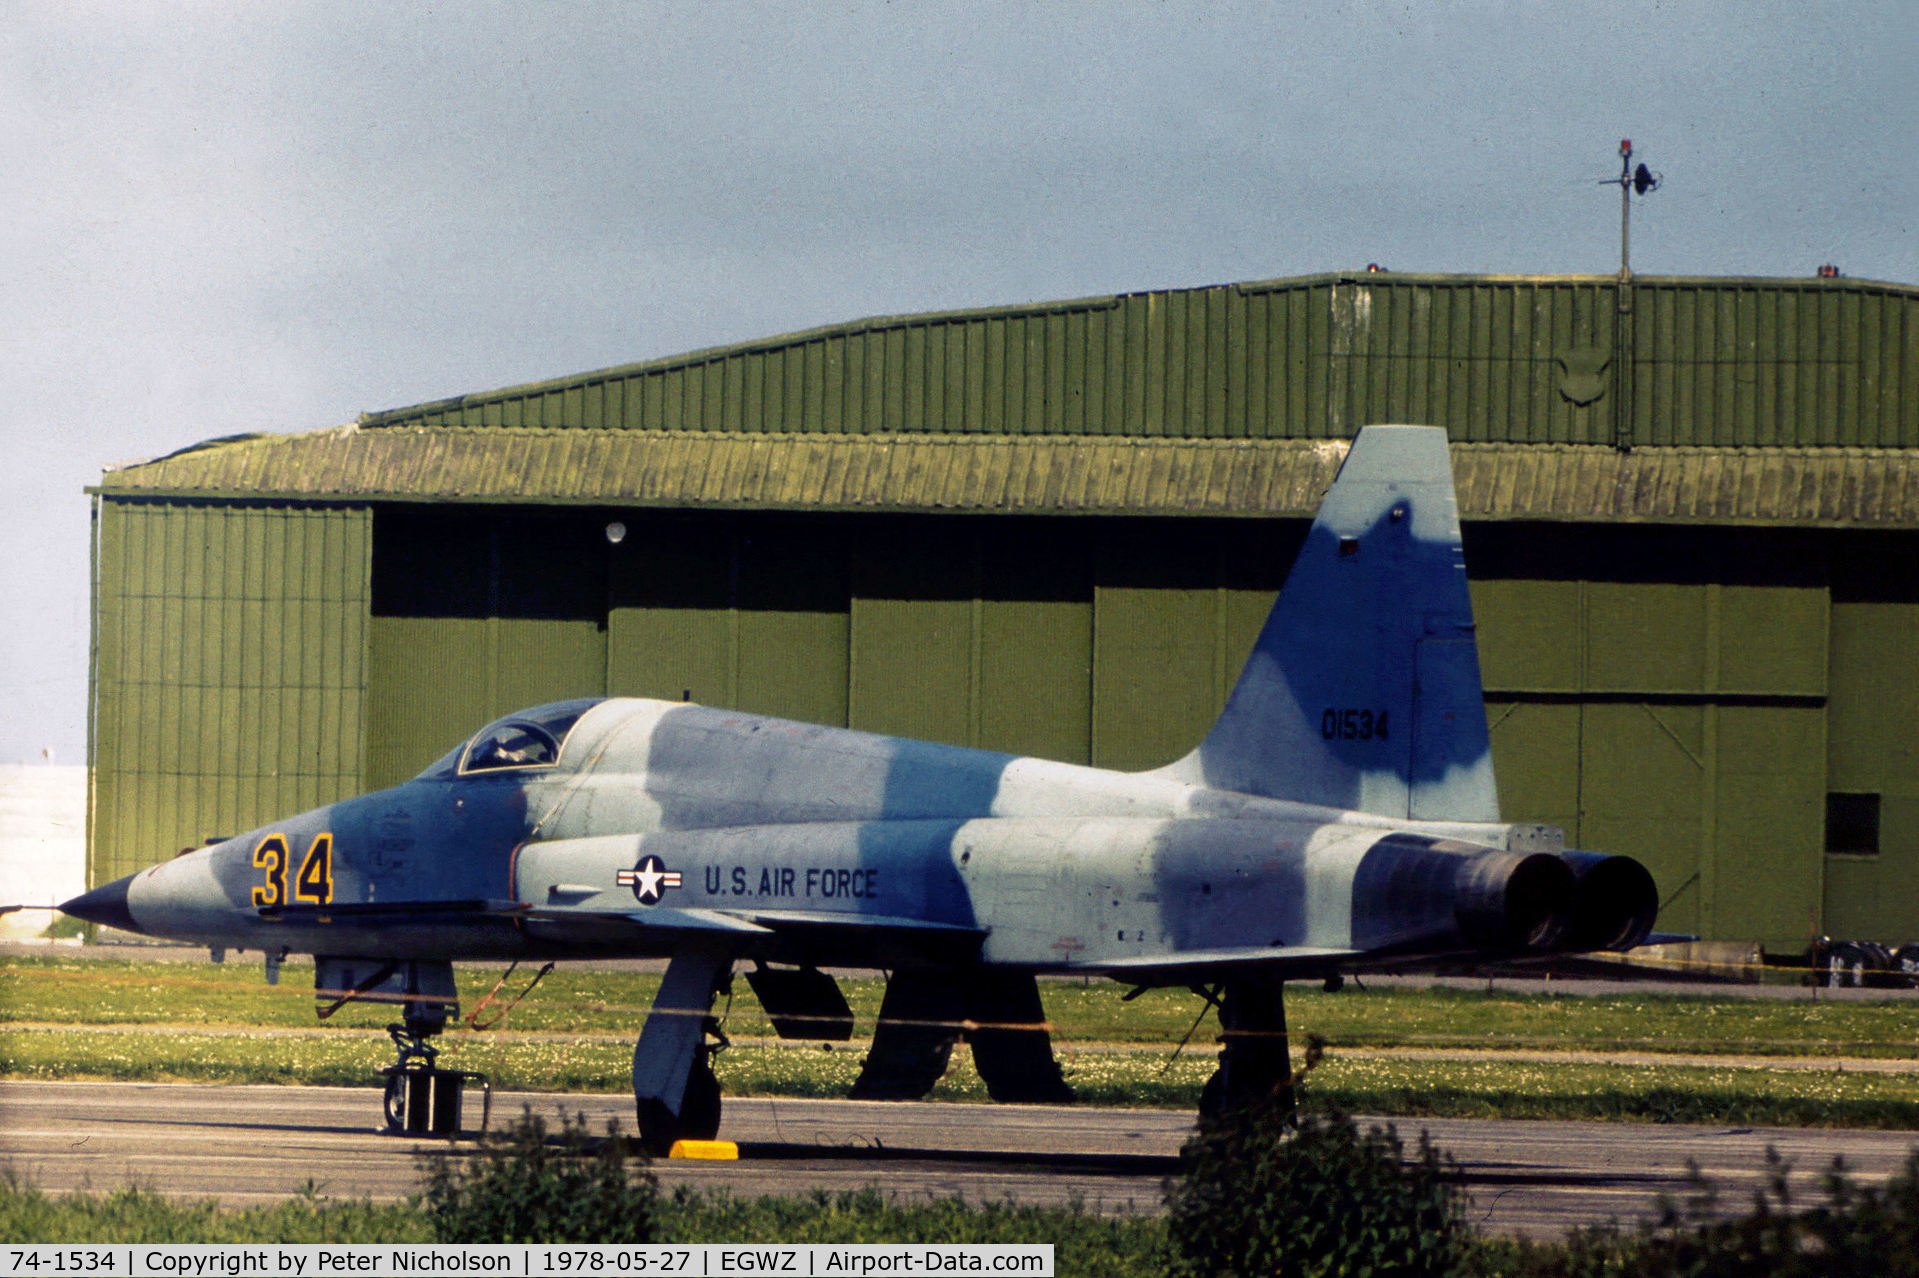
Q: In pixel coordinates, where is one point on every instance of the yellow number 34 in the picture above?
(314, 882)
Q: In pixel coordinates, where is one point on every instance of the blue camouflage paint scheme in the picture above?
(1341, 815)
(1358, 714)
(1376, 605)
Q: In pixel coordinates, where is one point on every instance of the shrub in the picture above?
(521, 1186)
(1259, 1196)
(1856, 1229)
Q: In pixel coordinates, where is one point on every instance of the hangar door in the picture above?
(1665, 698)
(1109, 641)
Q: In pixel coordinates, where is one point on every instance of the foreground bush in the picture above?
(520, 1186)
(1260, 1196)
(1253, 1200)
(1854, 1230)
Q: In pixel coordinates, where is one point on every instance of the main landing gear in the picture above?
(922, 1016)
(997, 1012)
(675, 1090)
(1255, 1067)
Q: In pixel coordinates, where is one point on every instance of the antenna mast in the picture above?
(1631, 182)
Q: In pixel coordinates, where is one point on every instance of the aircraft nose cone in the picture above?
(106, 904)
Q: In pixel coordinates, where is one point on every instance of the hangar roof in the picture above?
(1045, 475)
(1716, 400)
(1494, 359)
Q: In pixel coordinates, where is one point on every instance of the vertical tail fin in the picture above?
(1363, 689)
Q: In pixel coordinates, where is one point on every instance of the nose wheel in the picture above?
(421, 1098)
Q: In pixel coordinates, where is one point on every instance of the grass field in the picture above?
(132, 1019)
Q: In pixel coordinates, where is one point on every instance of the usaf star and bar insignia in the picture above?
(648, 879)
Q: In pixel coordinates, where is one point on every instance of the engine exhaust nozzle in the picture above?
(1514, 900)
(1614, 902)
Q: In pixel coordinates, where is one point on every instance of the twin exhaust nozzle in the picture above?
(1571, 901)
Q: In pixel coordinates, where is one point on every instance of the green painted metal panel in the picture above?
(1872, 897)
(670, 625)
(1772, 639)
(413, 714)
(1643, 780)
(1035, 644)
(1875, 698)
(1645, 637)
(1871, 746)
(751, 618)
(793, 663)
(791, 621)
(176, 667)
(540, 659)
(1536, 760)
(911, 637)
(1709, 362)
(476, 616)
(1532, 634)
(1767, 815)
(1156, 644)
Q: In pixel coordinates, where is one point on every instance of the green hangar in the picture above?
(1692, 520)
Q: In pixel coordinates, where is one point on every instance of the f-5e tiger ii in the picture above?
(1340, 817)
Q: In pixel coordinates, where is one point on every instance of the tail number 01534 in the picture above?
(312, 883)
(1353, 725)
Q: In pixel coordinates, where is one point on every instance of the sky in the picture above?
(224, 217)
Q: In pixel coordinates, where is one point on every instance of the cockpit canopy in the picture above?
(529, 739)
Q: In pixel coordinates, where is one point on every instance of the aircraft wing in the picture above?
(657, 919)
(634, 921)
(401, 913)
(776, 919)
(1314, 961)
(1191, 965)
(902, 934)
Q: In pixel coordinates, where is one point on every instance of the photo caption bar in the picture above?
(530, 1260)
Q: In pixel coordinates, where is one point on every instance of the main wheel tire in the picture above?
(698, 1119)
(395, 1100)
(700, 1110)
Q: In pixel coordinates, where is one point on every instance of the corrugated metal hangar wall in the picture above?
(1692, 520)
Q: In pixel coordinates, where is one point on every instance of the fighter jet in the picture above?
(1340, 817)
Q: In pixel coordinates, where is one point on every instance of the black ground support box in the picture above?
(427, 1101)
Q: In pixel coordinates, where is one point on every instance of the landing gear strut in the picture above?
(997, 1012)
(1255, 1066)
(675, 1092)
(421, 1098)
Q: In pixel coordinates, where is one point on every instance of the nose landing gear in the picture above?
(421, 1098)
